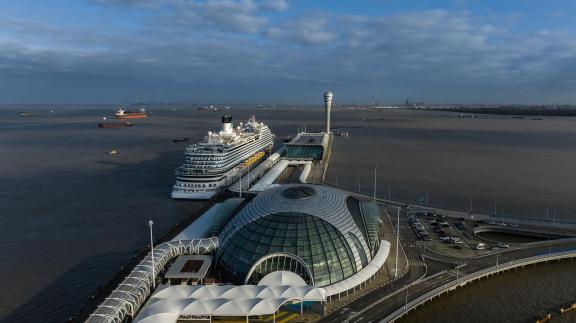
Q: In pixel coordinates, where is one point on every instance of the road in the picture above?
(428, 273)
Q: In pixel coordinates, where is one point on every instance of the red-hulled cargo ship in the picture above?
(121, 114)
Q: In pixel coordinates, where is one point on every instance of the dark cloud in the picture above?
(233, 51)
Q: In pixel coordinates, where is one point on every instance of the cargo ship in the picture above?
(122, 114)
(212, 163)
(115, 124)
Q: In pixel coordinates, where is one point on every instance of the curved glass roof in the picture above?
(334, 234)
(299, 192)
(318, 243)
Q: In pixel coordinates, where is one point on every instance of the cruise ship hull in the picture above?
(177, 195)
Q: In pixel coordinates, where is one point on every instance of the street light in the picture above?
(406, 302)
(240, 185)
(397, 241)
(375, 167)
(150, 224)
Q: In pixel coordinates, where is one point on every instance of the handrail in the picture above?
(400, 312)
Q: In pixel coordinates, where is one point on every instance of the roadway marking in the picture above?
(416, 263)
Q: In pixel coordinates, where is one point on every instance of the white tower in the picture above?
(328, 106)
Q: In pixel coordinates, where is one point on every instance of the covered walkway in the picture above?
(133, 291)
(203, 302)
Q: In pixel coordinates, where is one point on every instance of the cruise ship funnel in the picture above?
(227, 124)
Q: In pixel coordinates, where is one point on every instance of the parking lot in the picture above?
(449, 236)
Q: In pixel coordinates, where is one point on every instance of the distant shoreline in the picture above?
(511, 111)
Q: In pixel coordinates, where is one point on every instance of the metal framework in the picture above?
(267, 264)
(133, 291)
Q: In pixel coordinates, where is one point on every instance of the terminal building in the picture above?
(315, 231)
(307, 146)
(290, 249)
(284, 249)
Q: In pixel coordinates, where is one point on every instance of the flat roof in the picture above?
(190, 267)
(308, 139)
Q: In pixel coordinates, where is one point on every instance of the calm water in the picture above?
(71, 215)
(519, 296)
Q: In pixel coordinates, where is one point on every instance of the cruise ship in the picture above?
(212, 163)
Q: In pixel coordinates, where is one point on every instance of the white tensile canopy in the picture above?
(169, 303)
(282, 277)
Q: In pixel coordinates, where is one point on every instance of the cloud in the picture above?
(304, 31)
(275, 5)
(243, 16)
(197, 50)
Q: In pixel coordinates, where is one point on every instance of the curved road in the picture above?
(438, 270)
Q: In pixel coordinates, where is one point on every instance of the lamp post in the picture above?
(406, 300)
(240, 184)
(375, 167)
(397, 241)
(150, 224)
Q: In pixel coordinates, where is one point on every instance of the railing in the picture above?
(400, 312)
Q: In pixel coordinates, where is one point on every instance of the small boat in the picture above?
(113, 152)
(28, 114)
(122, 114)
(115, 124)
(181, 139)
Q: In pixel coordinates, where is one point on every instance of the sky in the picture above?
(287, 51)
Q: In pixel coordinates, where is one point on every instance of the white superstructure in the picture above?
(212, 163)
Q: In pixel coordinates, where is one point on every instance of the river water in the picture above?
(71, 215)
(523, 295)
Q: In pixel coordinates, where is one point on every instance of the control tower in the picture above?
(328, 106)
